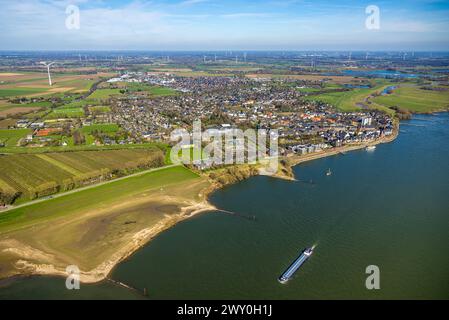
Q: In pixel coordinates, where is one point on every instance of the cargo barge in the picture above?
(288, 274)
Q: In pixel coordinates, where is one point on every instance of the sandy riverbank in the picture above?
(98, 238)
(102, 271)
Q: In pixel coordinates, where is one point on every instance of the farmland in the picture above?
(10, 138)
(10, 109)
(103, 94)
(10, 92)
(332, 79)
(66, 113)
(154, 91)
(348, 101)
(415, 99)
(99, 109)
(30, 176)
(136, 88)
(106, 128)
(194, 74)
(161, 91)
(33, 84)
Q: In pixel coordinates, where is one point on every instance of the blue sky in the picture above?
(224, 25)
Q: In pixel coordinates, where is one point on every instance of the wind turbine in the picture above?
(48, 70)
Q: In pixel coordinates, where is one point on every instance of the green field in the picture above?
(80, 103)
(40, 104)
(23, 84)
(154, 91)
(11, 137)
(102, 94)
(18, 92)
(66, 113)
(162, 91)
(30, 176)
(99, 109)
(106, 128)
(309, 90)
(92, 197)
(414, 99)
(348, 101)
(80, 84)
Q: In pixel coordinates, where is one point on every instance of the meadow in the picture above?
(348, 101)
(143, 88)
(102, 94)
(65, 112)
(312, 77)
(161, 91)
(11, 137)
(415, 99)
(29, 176)
(99, 109)
(15, 92)
(105, 128)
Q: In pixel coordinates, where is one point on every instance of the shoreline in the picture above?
(343, 149)
(144, 236)
(102, 271)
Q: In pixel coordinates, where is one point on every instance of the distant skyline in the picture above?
(420, 25)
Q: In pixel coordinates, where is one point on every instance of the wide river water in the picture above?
(388, 207)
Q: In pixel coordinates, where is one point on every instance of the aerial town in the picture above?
(303, 125)
(201, 151)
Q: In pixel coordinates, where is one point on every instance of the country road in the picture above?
(58, 195)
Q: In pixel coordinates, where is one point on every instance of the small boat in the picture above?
(370, 148)
(329, 172)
